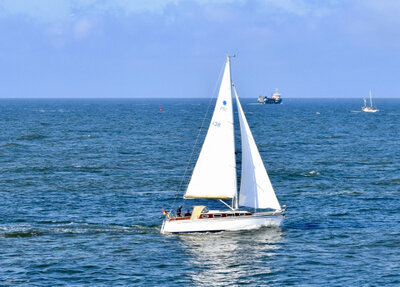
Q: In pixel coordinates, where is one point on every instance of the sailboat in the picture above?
(369, 109)
(214, 176)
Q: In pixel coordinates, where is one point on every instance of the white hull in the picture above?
(253, 221)
(369, 110)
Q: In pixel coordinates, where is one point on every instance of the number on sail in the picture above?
(217, 124)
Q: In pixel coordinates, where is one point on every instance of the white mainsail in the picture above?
(255, 188)
(214, 175)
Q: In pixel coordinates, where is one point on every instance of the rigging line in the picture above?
(198, 135)
(227, 205)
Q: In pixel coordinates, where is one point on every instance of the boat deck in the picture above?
(215, 214)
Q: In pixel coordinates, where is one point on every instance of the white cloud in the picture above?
(78, 18)
(45, 10)
(57, 10)
(294, 7)
(82, 28)
(387, 10)
(301, 8)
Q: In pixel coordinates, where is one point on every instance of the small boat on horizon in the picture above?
(370, 108)
(214, 176)
(274, 99)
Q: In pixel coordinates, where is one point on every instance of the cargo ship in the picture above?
(274, 99)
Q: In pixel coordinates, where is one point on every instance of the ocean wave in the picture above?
(94, 167)
(312, 173)
(28, 233)
(31, 137)
(10, 145)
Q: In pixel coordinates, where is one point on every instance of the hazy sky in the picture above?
(176, 48)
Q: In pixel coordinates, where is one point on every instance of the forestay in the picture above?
(214, 175)
(255, 188)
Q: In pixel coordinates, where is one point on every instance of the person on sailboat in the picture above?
(179, 211)
(188, 213)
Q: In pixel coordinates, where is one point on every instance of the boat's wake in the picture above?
(72, 228)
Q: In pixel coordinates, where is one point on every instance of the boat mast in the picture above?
(235, 198)
(370, 98)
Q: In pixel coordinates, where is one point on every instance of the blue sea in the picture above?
(83, 182)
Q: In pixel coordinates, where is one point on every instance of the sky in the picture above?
(177, 48)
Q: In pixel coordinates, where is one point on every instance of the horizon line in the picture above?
(176, 98)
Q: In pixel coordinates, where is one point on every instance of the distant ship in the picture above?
(274, 99)
(370, 108)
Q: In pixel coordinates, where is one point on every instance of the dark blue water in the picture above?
(82, 184)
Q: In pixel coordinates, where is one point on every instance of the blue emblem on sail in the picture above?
(224, 102)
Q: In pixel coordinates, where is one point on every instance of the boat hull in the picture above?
(269, 101)
(273, 101)
(253, 221)
(369, 111)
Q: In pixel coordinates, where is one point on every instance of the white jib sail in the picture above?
(255, 188)
(214, 175)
